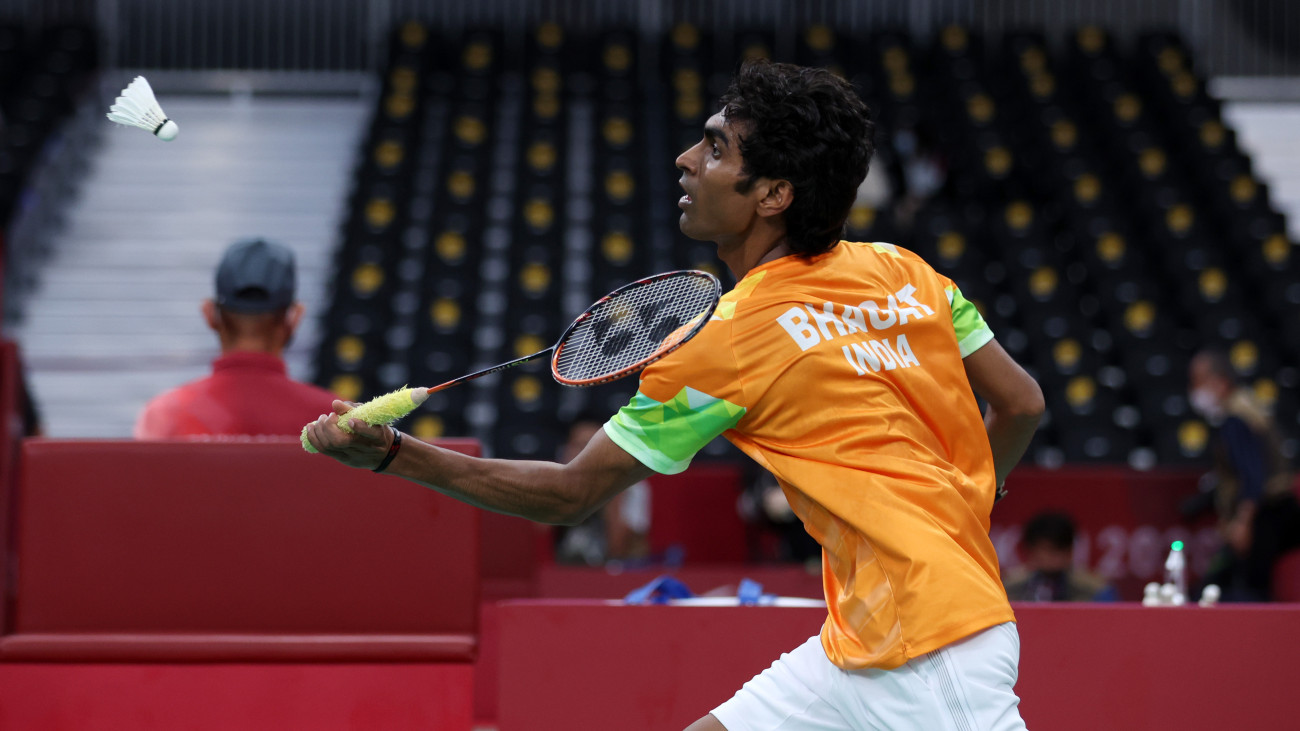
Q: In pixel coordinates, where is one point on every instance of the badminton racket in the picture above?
(618, 335)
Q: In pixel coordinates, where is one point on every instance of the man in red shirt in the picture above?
(249, 392)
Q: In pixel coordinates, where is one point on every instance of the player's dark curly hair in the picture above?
(807, 126)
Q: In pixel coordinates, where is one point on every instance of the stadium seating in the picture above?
(42, 74)
(507, 185)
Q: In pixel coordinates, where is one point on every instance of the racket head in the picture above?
(634, 326)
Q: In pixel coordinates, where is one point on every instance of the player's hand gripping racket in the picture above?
(620, 334)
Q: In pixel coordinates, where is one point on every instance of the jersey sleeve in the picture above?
(972, 331)
(683, 402)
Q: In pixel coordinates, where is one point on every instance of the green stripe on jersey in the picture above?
(972, 332)
(665, 436)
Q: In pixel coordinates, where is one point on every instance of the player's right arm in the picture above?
(660, 430)
(1015, 404)
(546, 492)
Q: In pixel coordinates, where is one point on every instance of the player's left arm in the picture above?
(1015, 404)
(545, 492)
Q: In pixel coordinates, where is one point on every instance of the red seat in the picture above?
(235, 551)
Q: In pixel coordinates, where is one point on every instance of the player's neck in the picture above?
(759, 247)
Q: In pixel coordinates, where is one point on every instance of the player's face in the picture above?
(713, 209)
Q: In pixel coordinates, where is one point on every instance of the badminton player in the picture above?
(846, 370)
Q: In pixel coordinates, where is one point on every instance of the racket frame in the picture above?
(622, 372)
(699, 322)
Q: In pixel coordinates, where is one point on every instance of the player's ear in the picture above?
(211, 316)
(777, 196)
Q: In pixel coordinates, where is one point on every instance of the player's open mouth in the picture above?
(684, 201)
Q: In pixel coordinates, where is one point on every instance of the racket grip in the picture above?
(380, 410)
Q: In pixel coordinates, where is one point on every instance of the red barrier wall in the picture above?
(597, 583)
(9, 435)
(510, 551)
(696, 511)
(259, 697)
(1083, 667)
(1126, 520)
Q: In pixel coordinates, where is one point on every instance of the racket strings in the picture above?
(635, 325)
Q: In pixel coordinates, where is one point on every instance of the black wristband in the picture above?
(392, 451)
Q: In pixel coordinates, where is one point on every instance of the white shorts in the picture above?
(965, 686)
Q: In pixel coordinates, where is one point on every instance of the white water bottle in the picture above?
(1176, 572)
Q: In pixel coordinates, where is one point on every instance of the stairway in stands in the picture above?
(1267, 132)
(114, 317)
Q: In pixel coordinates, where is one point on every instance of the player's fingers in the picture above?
(342, 407)
(375, 433)
(313, 435)
(327, 430)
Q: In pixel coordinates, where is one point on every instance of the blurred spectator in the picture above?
(763, 505)
(876, 190)
(1250, 484)
(925, 172)
(617, 532)
(249, 392)
(1048, 573)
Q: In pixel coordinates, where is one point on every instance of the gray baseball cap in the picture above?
(256, 276)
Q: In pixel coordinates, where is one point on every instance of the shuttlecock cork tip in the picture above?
(380, 410)
(167, 131)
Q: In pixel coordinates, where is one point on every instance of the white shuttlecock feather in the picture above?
(137, 107)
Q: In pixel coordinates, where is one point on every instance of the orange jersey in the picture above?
(843, 376)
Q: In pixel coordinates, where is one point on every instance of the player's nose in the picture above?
(685, 161)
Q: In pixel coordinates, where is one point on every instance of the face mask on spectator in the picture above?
(1205, 403)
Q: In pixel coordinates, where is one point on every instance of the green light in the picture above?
(1177, 546)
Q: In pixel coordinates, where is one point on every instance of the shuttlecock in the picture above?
(137, 107)
(380, 410)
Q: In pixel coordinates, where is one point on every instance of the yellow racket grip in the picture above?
(380, 410)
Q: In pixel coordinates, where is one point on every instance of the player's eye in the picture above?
(716, 152)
